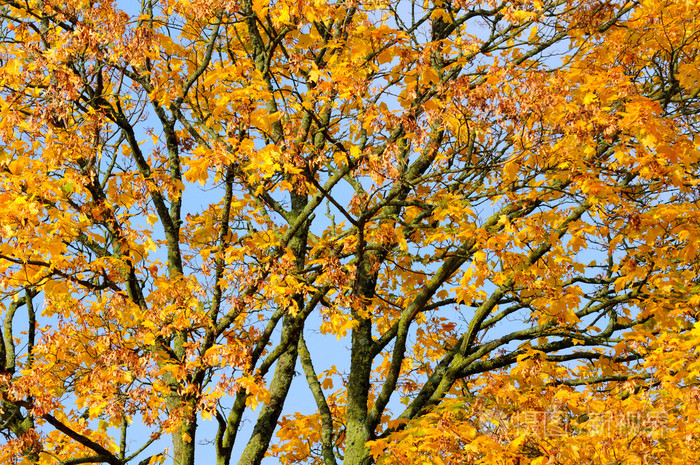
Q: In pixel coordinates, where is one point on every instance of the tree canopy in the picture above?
(470, 229)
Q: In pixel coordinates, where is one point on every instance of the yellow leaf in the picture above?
(590, 97)
(327, 383)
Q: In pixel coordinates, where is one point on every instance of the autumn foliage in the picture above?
(467, 231)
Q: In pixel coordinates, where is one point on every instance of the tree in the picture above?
(485, 210)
